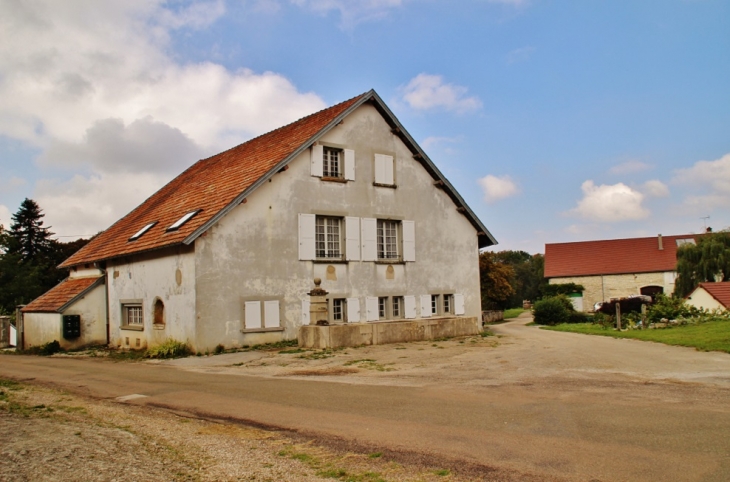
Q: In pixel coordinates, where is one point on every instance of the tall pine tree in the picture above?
(31, 239)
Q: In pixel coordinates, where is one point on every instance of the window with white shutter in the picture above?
(384, 170)
(353, 310)
(252, 315)
(409, 240)
(459, 304)
(306, 236)
(425, 306)
(369, 241)
(352, 239)
(317, 157)
(409, 307)
(349, 164)
(271, 314)
(371, 309)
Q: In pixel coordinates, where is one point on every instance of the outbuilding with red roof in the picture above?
(615, 268)
(711, 296)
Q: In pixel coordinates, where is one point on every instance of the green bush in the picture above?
(50, 348)
(553, 310)
(670, 308)
(578, 317)
(169, 349)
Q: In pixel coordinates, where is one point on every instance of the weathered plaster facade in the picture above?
(252, 253)
(169, 276)
(701, 299)
(603, 288)
(41, 328)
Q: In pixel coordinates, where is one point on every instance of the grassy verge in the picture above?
(709, 336)
(513, 313)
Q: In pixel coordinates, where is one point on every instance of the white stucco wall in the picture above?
(41, 328)
(168, 275)
(252, 253)
(700, 298)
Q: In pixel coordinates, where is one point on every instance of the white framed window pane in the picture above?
(332, 162)
(387, 239)
(327, 237)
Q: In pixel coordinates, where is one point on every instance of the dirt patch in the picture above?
(52, 435)
(322, 372)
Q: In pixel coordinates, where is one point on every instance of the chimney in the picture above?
(661, 244)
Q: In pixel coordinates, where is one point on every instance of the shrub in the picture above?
(219, 349)
(578, 317)
(553, 310)
(50, 348)
(669, 308)
(169, 349)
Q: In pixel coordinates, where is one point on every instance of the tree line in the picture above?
(29, 257)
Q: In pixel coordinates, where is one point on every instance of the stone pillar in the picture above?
(318, 305)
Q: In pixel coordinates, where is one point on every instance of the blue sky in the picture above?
(557, 121)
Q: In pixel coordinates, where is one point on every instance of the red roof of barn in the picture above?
(216, 185)
(719, 291)
(61, 295)
(612, 256)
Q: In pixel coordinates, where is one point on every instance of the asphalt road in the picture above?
(562, 406)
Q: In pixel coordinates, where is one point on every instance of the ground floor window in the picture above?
(397, 307)
(132, 315)
(449, 304)
(382, 304)
(338, 309)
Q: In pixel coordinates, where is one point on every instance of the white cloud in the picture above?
(5, 218)
(629, 167)
(95, 84)
(351, 12)
(496, 188)
(426, 91)
(12, 184)
(519, 55)
(655, 188)
(610, 203)
(711, 181)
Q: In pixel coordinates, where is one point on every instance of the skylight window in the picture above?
(682, 242)
(183, 220)
(139, 233)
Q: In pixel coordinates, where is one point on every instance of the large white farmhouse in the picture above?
(226, 252)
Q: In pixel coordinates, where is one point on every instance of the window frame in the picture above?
(396, 307)
(342, 302)
(327, 171)
(383, 307)
(435, 304)
(126, 308)
(448, 304)
(326, 241)
(383, 246)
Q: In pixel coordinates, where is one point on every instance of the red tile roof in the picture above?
(719, 291)
(612, 256)
(64, 292)
(209, 185)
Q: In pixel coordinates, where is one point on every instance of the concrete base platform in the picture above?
(382, 332)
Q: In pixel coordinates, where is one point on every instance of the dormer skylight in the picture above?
(183, 220)
(682, 242)
(139, 233)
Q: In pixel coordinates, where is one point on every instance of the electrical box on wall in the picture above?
(71, 326)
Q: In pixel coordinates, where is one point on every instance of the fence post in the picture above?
(618, 315)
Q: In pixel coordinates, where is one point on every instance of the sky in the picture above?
(556, 120)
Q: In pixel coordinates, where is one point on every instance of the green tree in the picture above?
(528, 279)
(706, 261)
(495, 278)
(29, 258)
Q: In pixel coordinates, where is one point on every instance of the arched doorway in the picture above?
(652, 291)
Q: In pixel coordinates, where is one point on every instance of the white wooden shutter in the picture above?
(369, 241)
(388, 172)
(317, 157)
(271, 314)
(352, 239)
(409, 307)
(353, 310)
(371, 309)
(409, 240)
(380, 168)
(349, 164)
(459, 304)
(425, 306)
(305, 312)
(253, 315)
(306, 236)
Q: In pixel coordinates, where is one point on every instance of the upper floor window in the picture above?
(388, 239)
(332, 162)
(328, 239)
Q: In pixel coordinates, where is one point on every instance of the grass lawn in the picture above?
(512, 313)
(709, 336)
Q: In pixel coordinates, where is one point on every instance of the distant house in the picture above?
(226, 252)
(615, 268)
(711, 296)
